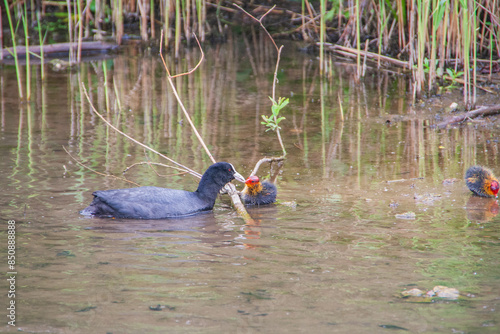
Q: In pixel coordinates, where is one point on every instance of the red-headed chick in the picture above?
(481, 181)
(257, 193)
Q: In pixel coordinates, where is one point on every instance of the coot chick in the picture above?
(481, 181)
(157, 203)
(257, 193)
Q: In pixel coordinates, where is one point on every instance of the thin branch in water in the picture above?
(263, 160)
(150, 164)
(169, 77)
(275, 79)
(260, 21)
(99, 173)
(190, 171)
(230, 188)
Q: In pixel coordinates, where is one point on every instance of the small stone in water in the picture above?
(412, 293)
(406, 215)
(445, 292)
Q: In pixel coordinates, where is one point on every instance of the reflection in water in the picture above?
(252, 231)
(481, 209)
(338, 257)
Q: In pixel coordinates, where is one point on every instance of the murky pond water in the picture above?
(337, 261)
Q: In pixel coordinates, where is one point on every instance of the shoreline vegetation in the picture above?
(439, 43)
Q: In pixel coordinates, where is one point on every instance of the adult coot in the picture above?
(481, 181)
(157, 203)
(257, 193)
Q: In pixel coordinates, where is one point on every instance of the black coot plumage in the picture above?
(257, 193)
(481, 181)
(158, 203)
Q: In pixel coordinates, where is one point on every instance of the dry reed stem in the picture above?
(230, 188)
(99, 173)
(275, 79)
(170, 77)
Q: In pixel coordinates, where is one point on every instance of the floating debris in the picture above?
(413, 293)
(406, 215)
(393, 327)
(439, 291)
(450, 181)
(86, 309)
(394, 204)
(160, 307)
(426, 198)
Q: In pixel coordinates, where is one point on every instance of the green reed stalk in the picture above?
(422, 19)
(382, 27)
(444, 36)
(118, 15)
(106, 90)
(24, 18)
(40, 40)
(1, 35)
(144, 19)
(70, 33)
(152, 17)
(358, 40)
(474, 7)
(200, 11)
(437, 17)
(466, 51)
(322, 29)
(186, 14)
(401, 13)
(166, 21)
(80, 30)
(455, 48)
(177, 27)
(491, 57)
(14, 48)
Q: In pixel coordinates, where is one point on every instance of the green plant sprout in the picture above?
(453, 76)
(272, 122)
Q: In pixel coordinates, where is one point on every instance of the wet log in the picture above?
(59, 48)
(481, 111)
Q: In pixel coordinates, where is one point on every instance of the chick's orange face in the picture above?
(494, 187)
(254, 180)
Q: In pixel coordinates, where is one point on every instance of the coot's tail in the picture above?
(97, 208)
(88, 211)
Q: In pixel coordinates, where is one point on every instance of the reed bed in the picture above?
(435, 40)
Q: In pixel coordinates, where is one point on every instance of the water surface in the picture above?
(331, 257)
